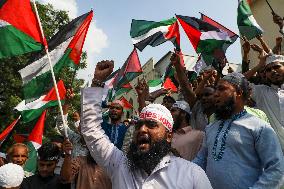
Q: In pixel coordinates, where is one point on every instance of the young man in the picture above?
(270, 98)
(114, 128)
(186, 141)
(149, 162)
(48, 155)
(239, 150)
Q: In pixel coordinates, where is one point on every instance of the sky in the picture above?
(109, 34)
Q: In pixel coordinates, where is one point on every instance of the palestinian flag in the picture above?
(205, 38)
(32, 110)
(247, 24)
(126, 104)
(19, 29)
(209, 20)
(34, 142)
(8, 131)
(65, 50)
(123, 89)
(154, 85)
(152, 33)
(130, 69)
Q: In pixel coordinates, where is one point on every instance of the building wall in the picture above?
(263, 16)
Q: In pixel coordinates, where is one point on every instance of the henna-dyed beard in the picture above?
(150, 159)
(226, 110)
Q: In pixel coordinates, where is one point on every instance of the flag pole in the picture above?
(52, 72)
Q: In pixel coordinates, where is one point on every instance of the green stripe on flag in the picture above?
(42, 83)
(31, 164)
(14, 42)
(141, 27)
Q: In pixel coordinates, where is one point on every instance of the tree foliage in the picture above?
(11, 82)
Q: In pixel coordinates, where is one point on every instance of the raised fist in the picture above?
(103, 70)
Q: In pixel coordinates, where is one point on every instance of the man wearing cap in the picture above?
(114, 128)
(149, 163)
(239, 150)
(11, 176)
(270, 98)
(48, 155)
(186, 141)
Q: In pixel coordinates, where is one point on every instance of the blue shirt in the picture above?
(115, 133)
(252, 158)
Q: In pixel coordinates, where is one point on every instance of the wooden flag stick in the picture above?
(52, 72)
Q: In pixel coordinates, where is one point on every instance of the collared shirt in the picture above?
(271, 101)
(187, 142)
(252, 157)
(171, 172)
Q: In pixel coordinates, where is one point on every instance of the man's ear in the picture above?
(169, 136)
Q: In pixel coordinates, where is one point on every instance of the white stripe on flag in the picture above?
(41, 66)
(163, 29)
(32, 105)
(3, 23)
(215, 35)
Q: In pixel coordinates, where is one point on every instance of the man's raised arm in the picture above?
(102, 150)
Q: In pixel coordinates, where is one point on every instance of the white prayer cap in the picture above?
(2, 155)
(274, 58)
(11, 175)
(182, 105)
(158, 113)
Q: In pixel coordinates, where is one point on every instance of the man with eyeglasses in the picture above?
(270, 98)
(150, 161)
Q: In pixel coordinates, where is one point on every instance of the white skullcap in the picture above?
(274, 58)
(182, 105)
(234, 78)
(158, 113)
(2, 155)
(11, 175)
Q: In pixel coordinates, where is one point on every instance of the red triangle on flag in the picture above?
(51, 95)
(37, 132)
(7, 131)
(126, 104)
(168, 84)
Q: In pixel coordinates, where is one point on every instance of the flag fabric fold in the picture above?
(130, 69)
(8, 130)
(152, 33)
(34, 142)
(126, 104)
(247, 24)
(65, 50)
(19, 29)
(206, 39)
(32, 110)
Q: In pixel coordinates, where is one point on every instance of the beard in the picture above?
(150, 159)
(226, 110)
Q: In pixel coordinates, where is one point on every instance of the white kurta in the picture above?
(171, 172)
(271, 101)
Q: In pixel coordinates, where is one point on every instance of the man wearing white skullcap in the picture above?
(186, 140)
(270, 98)
(11, 176)
(150, 161)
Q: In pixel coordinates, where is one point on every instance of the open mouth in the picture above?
(143, 140)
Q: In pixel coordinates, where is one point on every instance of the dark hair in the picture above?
(169, 98)
(244, 88)
(57, 138)
(49, 152)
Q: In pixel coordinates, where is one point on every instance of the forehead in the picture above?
(43, 162)
(274, 64)
(115, 105)
(20, 149)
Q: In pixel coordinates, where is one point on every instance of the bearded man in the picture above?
(239, 150)
(149, 163)
(186, 140)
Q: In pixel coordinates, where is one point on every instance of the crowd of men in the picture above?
(224, 132)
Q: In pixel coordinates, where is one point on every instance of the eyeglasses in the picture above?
(148, 123)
